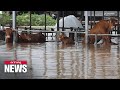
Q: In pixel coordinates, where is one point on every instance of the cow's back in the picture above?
(100, 27)
(37, 38)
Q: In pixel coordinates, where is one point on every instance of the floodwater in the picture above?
(52, 60)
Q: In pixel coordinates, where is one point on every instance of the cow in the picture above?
(24, 37)
(8, 35)
(102, 27)
(65, 40)
(36, 38)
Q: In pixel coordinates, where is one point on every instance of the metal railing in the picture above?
(116, 35)
(55, 32)
(75, 32)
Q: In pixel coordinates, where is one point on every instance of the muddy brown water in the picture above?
(51, 60)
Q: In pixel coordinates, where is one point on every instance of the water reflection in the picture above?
(52, 60)
(9, 46)
(103, 62)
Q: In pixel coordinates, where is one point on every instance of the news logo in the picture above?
(15, 66)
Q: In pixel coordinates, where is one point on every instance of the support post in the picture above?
(45, 25)
(14, 25)
(94, 17)
(118, 31)
(103, 14)
(57, 25)
(30, 21)
(91, 19)
(63, 20)
(45, 20)
(86, 46)
(86, 27)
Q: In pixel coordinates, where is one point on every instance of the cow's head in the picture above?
(8, 35)
(112, 23)
(62, 36)
(24, 37)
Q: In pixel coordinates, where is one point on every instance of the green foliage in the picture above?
(24, 20)
(5, 19)
(37, 20)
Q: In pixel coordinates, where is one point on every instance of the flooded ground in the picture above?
(51, 60)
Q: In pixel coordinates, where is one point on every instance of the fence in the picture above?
(54, 34)
(112, 35)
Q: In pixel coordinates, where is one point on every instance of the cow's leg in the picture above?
(109, 38)
(106, 40)
(91, 39)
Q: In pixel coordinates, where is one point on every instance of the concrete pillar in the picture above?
(86, 26)
(14, 25)
(14, 19)
(1, 26)
(86, 62)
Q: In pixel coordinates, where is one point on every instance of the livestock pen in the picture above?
(52, 60)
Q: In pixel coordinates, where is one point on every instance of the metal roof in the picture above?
(100, 13)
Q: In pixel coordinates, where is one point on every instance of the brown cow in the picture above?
(8, 35)
(102, 27)
(24, 37)
(65, 40)
(36, 38)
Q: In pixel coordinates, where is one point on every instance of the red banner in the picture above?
(15, 62)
